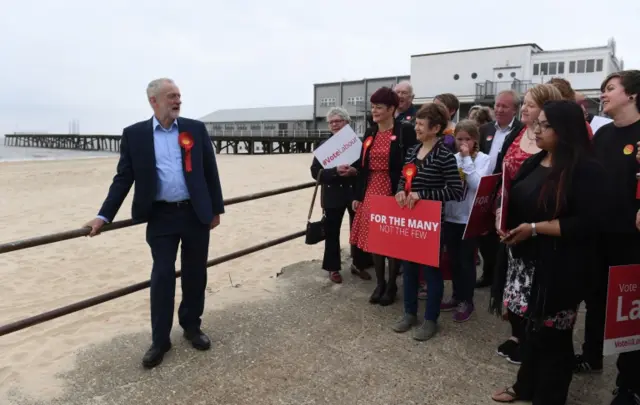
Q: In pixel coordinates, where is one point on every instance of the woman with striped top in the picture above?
(437, 178)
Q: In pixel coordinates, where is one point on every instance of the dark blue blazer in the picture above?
(137, 165)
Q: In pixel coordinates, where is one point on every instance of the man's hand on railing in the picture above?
(95, 225)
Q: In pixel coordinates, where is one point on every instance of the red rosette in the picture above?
(186, 142)
(409, 171)
(366, 144)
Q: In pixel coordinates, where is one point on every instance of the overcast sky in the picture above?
(71, 59)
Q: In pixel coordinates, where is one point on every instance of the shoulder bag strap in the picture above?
(315, 193)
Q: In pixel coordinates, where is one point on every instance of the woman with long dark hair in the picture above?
(556, 207)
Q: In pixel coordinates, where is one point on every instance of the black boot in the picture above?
(389, 296)
(379, 265)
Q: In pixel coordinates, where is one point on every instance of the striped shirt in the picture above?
(438, 177)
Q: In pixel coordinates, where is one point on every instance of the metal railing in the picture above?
(121, 292)
(282, 133)
(489, 89)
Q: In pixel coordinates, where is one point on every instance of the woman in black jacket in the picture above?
(556, 205)
(379, 168)
(337, 196)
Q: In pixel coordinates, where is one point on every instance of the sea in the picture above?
(16, 154)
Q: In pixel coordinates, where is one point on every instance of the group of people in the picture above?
(572, 213)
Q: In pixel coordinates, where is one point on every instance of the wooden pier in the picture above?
(271, 142)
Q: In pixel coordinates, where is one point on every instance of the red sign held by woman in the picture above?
(403, 233)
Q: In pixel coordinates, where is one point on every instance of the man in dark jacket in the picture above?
(495, 139)
(177, 191)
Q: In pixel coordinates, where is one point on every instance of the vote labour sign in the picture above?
(622, 325)
(342, 148)
(481, 218)
(403, 233)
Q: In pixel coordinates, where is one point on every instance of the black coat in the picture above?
(405, 138)
(336, 191)
(566, 266)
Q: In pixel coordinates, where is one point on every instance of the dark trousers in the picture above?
(629, 371)
(435, 286)
(546, 371)
(488, 246)
(168, 226)
(517, 325)
(462, 258)
(596, 306)
(331, 260)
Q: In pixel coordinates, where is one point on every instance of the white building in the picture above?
(475, 76)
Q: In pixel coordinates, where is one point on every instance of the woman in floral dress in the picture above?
(557, 207)
(520, 149)
(382, 156)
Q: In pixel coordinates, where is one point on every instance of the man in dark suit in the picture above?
(495, 139)
(178, 193)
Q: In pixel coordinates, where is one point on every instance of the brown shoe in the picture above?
(360, 273)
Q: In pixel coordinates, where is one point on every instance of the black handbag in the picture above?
(315, 230)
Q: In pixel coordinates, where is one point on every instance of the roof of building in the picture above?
(532, 45)
(366, 79)
(283, 113)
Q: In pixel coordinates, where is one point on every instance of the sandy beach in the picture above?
(51, 196)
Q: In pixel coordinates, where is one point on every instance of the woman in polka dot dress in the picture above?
(380, 166)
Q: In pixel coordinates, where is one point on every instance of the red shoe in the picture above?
(335, 277)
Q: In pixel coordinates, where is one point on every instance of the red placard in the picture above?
(481, 219)
(403, 233)
(622, 325)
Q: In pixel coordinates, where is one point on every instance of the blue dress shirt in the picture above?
(171, 185)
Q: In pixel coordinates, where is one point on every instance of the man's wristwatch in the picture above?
(533, 230)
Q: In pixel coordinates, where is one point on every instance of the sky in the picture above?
(70, 60)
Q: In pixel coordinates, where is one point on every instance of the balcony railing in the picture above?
(295, 133)
(489, 89)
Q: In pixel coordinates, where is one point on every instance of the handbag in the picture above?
(315, 230)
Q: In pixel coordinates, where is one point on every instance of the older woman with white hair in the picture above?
(337, 194)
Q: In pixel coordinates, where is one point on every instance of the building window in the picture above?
(599, 63)
(572, 66)
(355, 100)
(536, 69)
(544, 68)
(591, 65)
(456, 76)
(560, 68)
(513, 74)
(581, 66)
(474, 75)
(328, 101)
(228, 126)
(255, 127)
(217, 126)
(241, 126)
(269, 126)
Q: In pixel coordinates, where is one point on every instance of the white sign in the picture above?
(343, 148)
(598, 121)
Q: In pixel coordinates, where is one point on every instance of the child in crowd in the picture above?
(472, 165)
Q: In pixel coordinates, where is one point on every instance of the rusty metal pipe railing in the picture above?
(90, 302)
(77, 233)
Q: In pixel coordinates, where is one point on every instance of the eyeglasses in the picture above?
(336, 122)
(542, 125)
